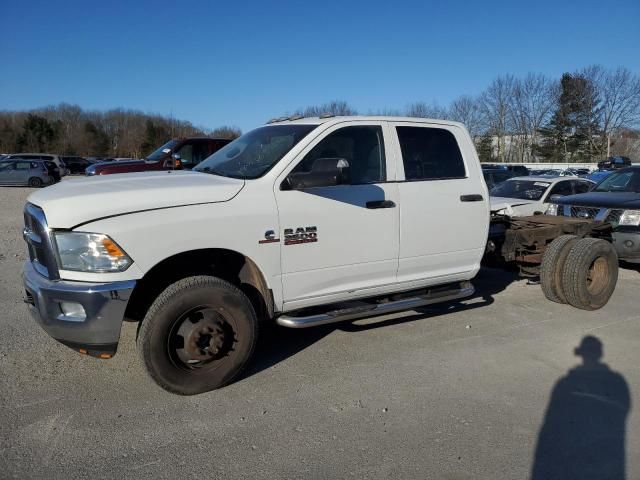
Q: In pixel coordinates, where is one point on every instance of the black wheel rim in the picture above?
(202, 338)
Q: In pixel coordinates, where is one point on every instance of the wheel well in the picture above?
(228, 265)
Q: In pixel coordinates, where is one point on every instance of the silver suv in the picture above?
(41, 156)
(33, 173)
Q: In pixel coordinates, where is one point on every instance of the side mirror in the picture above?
(325, 172)
(555, 197)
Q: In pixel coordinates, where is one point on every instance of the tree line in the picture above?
(581, 117)
(69, 130)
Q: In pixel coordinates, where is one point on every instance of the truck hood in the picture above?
(503, 203)
(602, 199)
(76, 201)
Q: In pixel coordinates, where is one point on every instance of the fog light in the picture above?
(72, 311)
(628, 243)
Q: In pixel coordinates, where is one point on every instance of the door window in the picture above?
(562, 189)
(200, 152)
(430, 154)
(582, 187)
(23, 165)
(361, 146)
(186, 154)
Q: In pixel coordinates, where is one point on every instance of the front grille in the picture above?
(591, 213)
(584, 212)
(36, 234)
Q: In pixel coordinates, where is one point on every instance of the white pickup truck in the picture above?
(303, 221)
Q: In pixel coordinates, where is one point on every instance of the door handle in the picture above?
(471, 198)
(381, 204)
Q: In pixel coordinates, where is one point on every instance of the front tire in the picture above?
(197, 335)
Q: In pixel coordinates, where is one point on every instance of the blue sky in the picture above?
(243, 62)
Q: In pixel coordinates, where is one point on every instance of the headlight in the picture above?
(90, 252)
(552, 209)
(630, 217)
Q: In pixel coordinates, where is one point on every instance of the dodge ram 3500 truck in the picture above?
(304, 222)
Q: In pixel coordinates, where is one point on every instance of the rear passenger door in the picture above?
(22, 172)
(444, 209)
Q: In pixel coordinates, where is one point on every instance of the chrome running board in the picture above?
(462, 290)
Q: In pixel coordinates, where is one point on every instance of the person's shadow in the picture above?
(583, 434)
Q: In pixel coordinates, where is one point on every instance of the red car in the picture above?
(177, 154)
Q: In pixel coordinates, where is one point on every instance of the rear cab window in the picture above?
(430, 153)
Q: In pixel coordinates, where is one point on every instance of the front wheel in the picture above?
(197, 335)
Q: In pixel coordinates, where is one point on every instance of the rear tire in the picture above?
(590, 273)
(35, 182)
(552, 266)
(197, 335)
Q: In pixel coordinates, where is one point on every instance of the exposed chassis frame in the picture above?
(523, 240)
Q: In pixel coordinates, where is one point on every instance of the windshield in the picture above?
(522, 189)
(626, 181)
(162, 151)
(255, 152)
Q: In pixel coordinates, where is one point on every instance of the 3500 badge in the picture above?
(300, 235)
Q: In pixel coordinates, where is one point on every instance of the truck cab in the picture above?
(284, 224)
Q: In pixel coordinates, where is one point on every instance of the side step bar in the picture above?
(462, 290)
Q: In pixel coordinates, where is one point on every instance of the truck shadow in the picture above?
(276, 344)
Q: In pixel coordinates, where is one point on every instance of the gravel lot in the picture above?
(450, 392)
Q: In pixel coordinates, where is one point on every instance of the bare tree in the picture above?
(467, 110)
(495, 105)
(334, 107)
(425, 110)
(226, 132)
(619, 95)
(532, 102)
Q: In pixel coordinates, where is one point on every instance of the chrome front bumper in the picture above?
(97, 331)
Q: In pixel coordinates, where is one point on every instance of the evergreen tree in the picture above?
(485, 149)
(37, 134)
(572, 132)
(98, 140)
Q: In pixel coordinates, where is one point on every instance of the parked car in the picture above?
(178, 154)
(614, 162)
(578, 172)
(300, 222)
(599, 175)
(494, 177)
(33, 173)
(531, 195)
(41, 156)
(516, 170)
(54, 170)
(76, 165)
(615, 200)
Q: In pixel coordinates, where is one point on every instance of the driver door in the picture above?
(340, 239)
